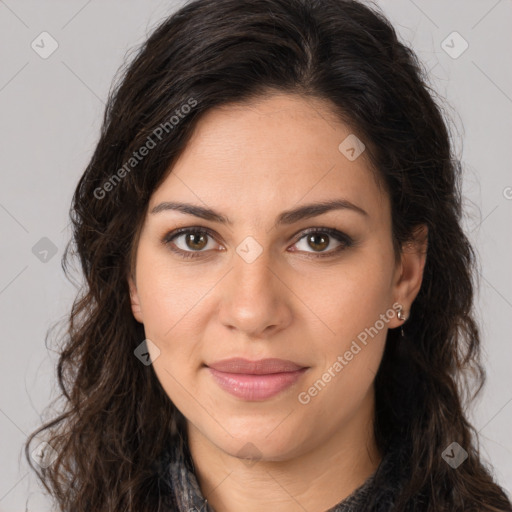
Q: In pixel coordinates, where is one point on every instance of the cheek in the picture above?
(172, 303)
(349, 299)
(355, 312)
(349, 356)
(167, 295)
(170, 309)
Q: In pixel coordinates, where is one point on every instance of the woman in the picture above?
(278, 303)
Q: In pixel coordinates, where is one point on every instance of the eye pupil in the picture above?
(191, 237)
(312, 238)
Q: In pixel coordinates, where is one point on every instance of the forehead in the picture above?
(280, 150)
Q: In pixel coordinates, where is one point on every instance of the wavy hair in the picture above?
(116, 419)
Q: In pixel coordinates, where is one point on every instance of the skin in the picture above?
(250, 162)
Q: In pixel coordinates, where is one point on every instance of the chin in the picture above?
(260, 446)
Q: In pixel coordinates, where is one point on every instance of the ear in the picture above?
(134, 298)
(409, 274)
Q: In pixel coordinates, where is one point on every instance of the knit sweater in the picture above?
(183, 493)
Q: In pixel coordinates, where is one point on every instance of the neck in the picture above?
(317, 479)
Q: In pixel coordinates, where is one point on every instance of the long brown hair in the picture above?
(116, 419)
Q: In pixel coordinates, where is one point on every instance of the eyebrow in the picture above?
(287, 217)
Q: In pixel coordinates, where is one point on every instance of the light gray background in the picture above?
(51, 111)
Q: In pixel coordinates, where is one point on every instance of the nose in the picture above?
(255, 299)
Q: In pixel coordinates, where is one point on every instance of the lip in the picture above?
(255, 380)
(258, 367)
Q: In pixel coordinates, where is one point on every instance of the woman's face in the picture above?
(261, 287)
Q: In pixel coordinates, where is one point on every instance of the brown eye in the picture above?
(319, 239)
(188, 242)
(196, 240)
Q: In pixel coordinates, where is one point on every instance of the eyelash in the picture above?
(338, 235)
